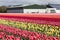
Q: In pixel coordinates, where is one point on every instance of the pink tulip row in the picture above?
(26, 34)
(32, 21)
(3, 36)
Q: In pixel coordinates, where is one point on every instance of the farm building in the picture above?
(57, 6)
(27, 9)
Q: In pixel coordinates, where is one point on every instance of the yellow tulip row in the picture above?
(49, 30)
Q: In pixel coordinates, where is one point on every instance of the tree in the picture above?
(3, 9)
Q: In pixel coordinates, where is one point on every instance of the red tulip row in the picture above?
(33, 21)
(25, 33)
(3, 36)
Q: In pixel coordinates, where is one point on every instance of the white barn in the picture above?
(28, 9)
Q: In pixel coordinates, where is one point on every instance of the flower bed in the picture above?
(39, 28)
(38, 20)
(29, 28)
(10, 33)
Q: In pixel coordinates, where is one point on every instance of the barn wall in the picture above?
(34, 10)
(15, 11)
(28, 11)
(57, 11)
(37, 10)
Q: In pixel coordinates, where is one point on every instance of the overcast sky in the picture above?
(16, 2)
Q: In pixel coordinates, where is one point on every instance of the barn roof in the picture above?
(34, 6)
(57, 6)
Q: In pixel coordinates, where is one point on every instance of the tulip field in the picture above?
(29, 27)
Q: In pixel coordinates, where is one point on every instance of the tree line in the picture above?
(3, 9)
